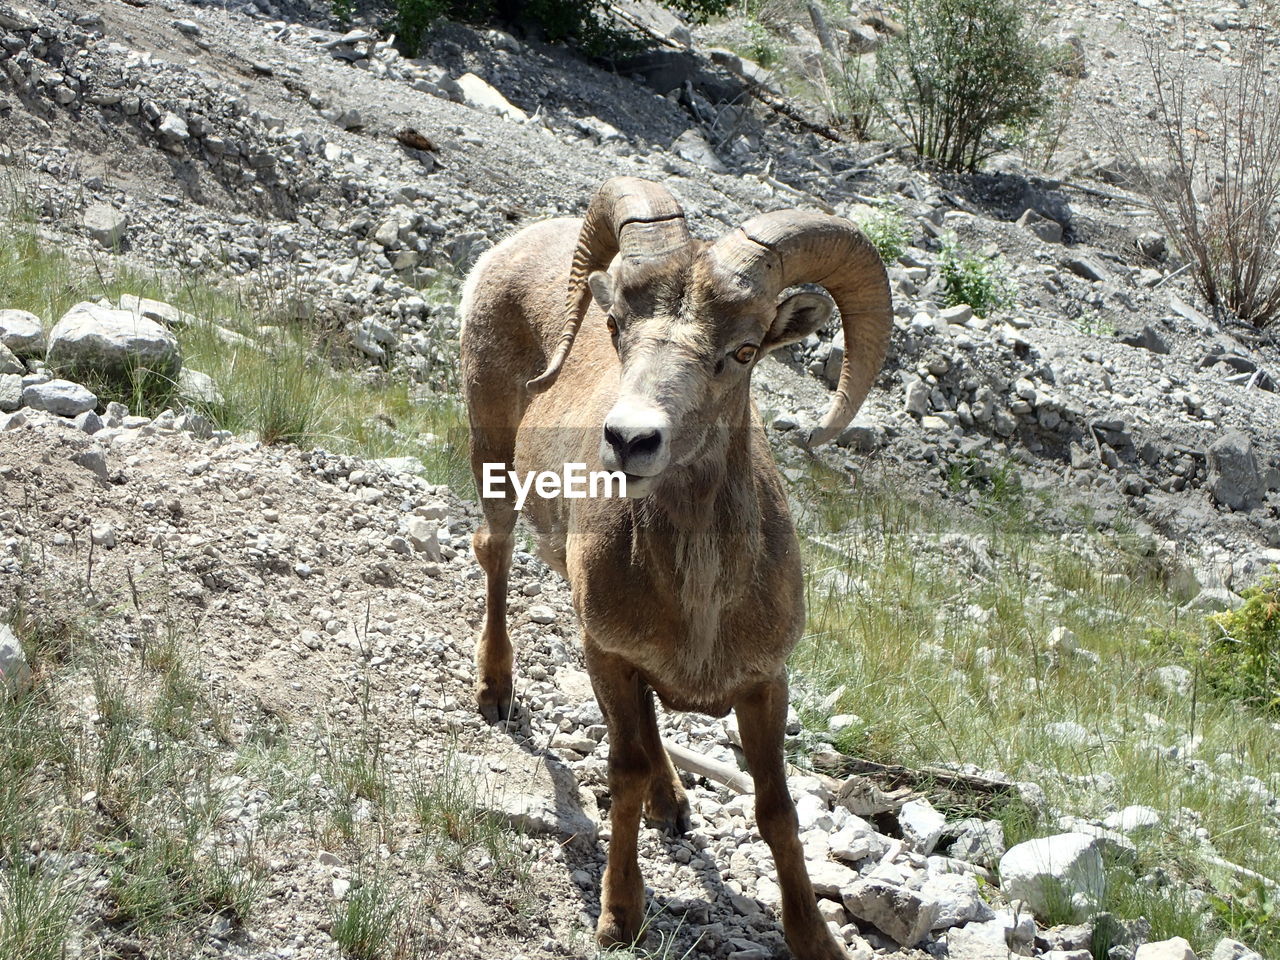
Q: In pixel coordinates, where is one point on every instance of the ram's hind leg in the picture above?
(493, 544)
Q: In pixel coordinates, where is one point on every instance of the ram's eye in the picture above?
(746, 354)
(612, 324)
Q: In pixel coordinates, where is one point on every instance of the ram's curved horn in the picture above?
(637, 218)
(777, 250)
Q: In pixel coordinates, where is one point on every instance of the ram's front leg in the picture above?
(762, 715)
(621, 695)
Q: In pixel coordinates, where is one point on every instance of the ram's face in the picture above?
(687, 342)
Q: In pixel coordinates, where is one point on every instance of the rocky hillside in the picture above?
(245, 666)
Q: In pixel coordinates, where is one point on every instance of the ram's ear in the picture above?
(798, 316)
(601, 285)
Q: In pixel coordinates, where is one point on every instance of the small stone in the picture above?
(1175, 948)
(477, 93)
(1050, 231)
(15, 672)
(106, 225)
(10, 392)
(174, 128)
(341, 887)
(898, 912)
(424, 536)
(961, 313)
(1089, 267)
(198, 387)
(22, 333)
(1133, 819)
(1228, 949)
(61, 397)
(1234, 478)
(104, 536)
(542, 614)
(921, 824)
(956, 895)
(830, 879)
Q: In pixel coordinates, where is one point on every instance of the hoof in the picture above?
(495, 700)
(614, 931)
(667, 808)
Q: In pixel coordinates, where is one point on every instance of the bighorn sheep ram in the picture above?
(691, 586)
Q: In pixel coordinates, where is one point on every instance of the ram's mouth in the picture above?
(640, 485)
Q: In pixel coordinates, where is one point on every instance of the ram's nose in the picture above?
(636, 439)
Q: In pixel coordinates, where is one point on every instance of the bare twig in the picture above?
(696, 763)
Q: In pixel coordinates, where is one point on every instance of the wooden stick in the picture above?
(696, 763)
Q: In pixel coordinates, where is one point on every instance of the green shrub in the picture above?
(960, 70)
(887, 229)
(1242, 659)
(981, 282)
(1239, 657)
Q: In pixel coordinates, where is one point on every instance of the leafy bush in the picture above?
(1214, 187)
(887, 230)
(960, 70)
(1240, 656)
(580, 22)
(1243, 659)
(981, 282)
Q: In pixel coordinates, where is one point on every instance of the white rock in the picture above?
(921, 825)
(15, 672)
(979, 841)
(174, 127)
(104, 536)
(1173, 678)
(1067, 732)
(199, 387)
(105, 224)
(62, 397)
(898, 912)
(424, 536)
(1173, 949)
(1228, 949)
(960, 313)
(480, 94)
(1053, 874)
(10, 392)
(9, 363)
(1133, 819)
(541, 614)
(108, 341)
(22, 333)
(830, 879)
(956, 895)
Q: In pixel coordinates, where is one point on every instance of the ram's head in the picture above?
(690, 319)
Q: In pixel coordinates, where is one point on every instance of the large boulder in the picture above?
(22, 333)
(114, 343)
(1234, 478)
(1055, 875)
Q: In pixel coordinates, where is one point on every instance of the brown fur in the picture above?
(694, 592)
